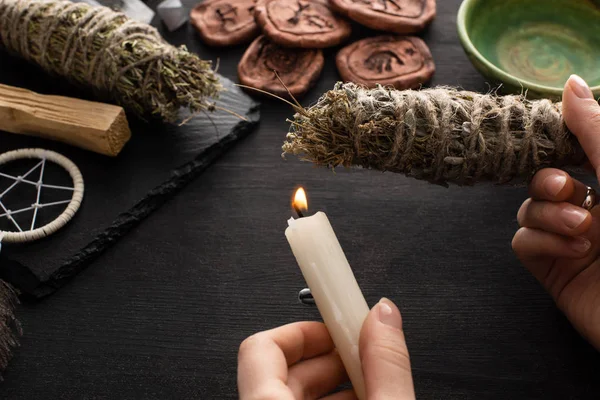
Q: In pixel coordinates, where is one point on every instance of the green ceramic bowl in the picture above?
(532, 45)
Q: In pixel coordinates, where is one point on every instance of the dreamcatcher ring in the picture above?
(72, 205)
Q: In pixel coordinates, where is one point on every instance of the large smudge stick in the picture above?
(120, 59)
(442, 135)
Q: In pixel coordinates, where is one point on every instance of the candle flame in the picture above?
(300, 202)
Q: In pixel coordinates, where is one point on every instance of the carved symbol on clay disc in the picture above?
(225, 22)
(278, 59)
(290, 64)
(385, 60)
(228, 14)
(402, 62)
(301, 17)
(231, 17)
(264, 60)
(402, 8)
(382, 61)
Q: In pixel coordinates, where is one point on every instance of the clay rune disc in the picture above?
(225, 22)
(301, 23)
(403, 62)
(397, 16)
(299, 69)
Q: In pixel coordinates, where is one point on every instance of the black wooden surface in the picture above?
(161, 314)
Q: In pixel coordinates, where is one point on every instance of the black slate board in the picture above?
(119, 192)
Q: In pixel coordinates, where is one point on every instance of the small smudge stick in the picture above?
(116, 58)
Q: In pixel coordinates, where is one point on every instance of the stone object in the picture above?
(172, 13)
(134, 9)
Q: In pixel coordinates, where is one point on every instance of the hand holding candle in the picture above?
(309, 360)
(332, 284)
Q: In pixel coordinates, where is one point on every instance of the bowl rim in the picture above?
(500, 73)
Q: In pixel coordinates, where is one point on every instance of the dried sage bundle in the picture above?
(442, 135)
(122, 60)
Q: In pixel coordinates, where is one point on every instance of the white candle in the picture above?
(333, 286)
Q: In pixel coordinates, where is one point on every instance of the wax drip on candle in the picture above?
(300, 202)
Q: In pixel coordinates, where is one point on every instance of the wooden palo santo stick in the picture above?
(98, 127)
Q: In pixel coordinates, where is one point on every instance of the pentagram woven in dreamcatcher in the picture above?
(35, 177)
(24, 222)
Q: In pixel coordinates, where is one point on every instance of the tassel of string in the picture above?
(10, 328)
(440, 134)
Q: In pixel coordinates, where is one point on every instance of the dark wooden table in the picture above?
(161, 315)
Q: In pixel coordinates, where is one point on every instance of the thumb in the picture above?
(384, 355)
(581, 113)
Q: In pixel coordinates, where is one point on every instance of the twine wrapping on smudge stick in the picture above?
(123, 60)
(441, 135)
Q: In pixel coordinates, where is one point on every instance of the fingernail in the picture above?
(580, 87)
(573, 217)
(554, 184)
(386, 314)
(581, 245)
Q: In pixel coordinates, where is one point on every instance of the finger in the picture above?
(282, 347)
(302, 340)
(560, 218)
(531, 244)
(384, 355)
(552, 184)
(344, 395)
(581, 113)
(317, 376)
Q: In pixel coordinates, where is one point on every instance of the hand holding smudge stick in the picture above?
(397, 16)
(301, 23)
(401, 62)
(225, 22)
(264, 60)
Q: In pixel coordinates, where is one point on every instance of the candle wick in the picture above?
(300, 215)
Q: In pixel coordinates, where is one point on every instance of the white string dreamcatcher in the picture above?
(35, 177)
